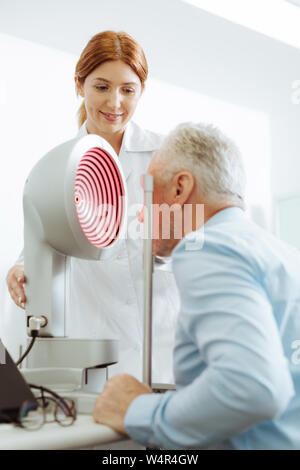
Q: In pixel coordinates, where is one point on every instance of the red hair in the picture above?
(110, 45)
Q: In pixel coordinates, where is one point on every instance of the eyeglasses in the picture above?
(62, 411)
(48, 407)
(56, 408)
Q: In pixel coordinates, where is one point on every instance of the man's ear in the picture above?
(184, 183)
(79, 87)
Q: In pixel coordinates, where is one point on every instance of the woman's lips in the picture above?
(111, 117)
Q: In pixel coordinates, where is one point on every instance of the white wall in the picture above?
(186, 47)
(201, 68)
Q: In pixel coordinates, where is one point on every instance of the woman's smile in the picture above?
(111, 117)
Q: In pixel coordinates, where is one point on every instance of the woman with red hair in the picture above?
(105, 298)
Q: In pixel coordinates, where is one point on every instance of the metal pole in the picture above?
(148, 270)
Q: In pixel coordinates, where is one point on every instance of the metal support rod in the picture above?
(148, 271)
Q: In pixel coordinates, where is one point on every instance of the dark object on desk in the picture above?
(14, 390)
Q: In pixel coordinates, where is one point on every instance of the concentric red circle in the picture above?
(99, 197)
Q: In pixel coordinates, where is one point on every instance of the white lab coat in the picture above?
(106, 297)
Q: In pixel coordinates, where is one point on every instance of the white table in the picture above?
(83, 434)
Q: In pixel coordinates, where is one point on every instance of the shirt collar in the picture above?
(231, 213)
(82, 131)
(135, 138)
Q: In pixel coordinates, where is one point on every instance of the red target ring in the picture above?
(99, 197)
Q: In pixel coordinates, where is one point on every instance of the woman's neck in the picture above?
(114, 139)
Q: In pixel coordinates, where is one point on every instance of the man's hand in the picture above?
(113, 403)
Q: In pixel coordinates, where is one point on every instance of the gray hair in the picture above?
(209, 155)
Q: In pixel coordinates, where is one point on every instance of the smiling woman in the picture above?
(110, 75)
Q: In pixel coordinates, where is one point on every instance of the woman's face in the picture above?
(111, 93)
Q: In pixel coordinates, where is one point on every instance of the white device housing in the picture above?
(52, 232)
(52, 229)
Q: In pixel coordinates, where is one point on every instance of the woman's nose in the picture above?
(114, 100)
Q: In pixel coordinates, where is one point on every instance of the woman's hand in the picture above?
(15, 280)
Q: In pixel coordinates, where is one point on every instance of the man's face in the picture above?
(163, 220)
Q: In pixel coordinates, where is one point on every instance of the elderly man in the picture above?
(236, 368)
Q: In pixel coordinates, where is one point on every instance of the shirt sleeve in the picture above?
(244, 377)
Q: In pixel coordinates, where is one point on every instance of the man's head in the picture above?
(197, 165)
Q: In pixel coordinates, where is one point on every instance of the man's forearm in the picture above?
(214, 407)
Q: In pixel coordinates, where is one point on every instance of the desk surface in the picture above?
(83, 433)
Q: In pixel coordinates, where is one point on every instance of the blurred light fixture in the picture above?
(295, 2)
(277, 19)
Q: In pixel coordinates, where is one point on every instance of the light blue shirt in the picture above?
(237, 353)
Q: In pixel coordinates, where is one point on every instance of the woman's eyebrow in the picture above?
(107, 81)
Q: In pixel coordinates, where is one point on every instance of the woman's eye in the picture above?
(104, 88)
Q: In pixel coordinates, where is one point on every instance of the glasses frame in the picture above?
(62, 403)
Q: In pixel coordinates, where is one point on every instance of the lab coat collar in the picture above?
(135, 139)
